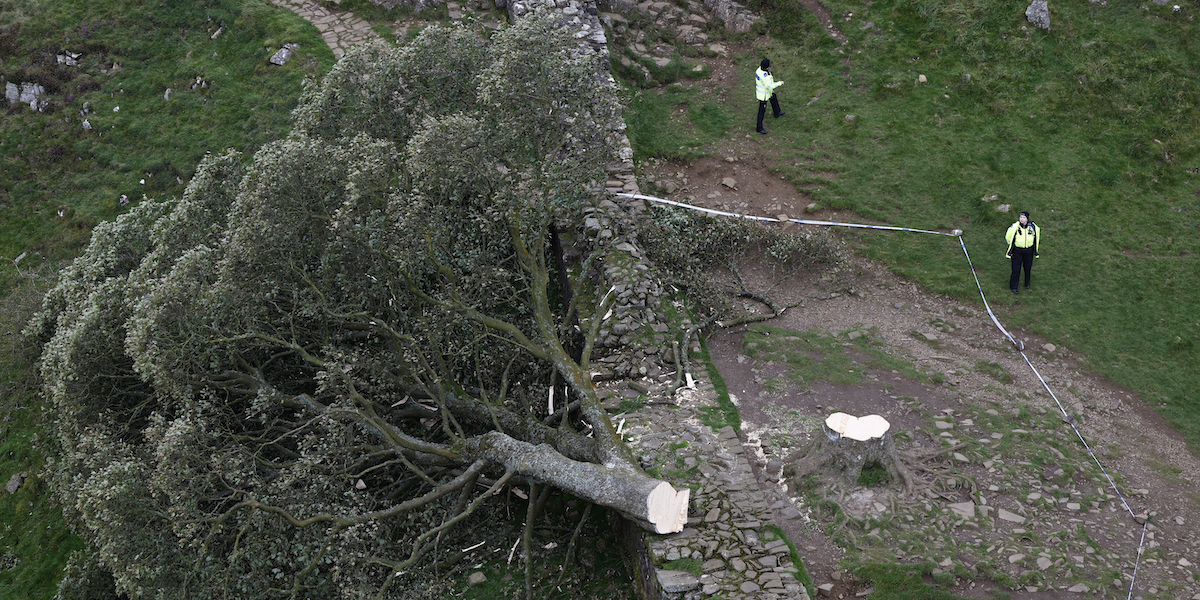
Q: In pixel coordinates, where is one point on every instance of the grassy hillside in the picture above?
(139, 144)
(223, 93)
(35, 543)
(1093, 126)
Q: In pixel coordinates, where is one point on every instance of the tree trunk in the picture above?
(651, 503)
(637, 558)
(847, 446)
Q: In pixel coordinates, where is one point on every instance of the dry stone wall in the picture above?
(635, 323)
(733, 16)
(728, 532)
(341, 30)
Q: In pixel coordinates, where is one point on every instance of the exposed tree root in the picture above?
(839, 457)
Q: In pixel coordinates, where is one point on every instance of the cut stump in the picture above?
(848, 445)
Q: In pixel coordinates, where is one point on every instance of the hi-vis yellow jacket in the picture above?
(764, 84)
(1024, 237)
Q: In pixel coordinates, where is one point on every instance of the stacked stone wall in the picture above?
(729, 531)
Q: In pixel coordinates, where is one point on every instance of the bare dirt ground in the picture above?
(1018, 455)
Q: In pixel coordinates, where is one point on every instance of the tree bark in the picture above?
(839, 454)
(637, 558)
(650, 502)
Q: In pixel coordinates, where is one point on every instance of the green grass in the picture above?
(775, 532)
(905, 582)
(628, 406)
(49, 162)
(140, 144)
(1051, 125)
(34, 540)
(725, 412)
(34, 531)
(814, 356)
(872, 475)
(1093, 126)
(686, 565)
(994, 370)
(673, 122)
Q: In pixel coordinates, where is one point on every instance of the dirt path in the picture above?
(1016, 452)
(824, 18)
(1075, 530)
(1069, 530)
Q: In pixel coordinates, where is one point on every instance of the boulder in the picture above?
(676, 582)
(1038, 13)
(15, 482)
(965, 510)
(284, 54)
(26, 93)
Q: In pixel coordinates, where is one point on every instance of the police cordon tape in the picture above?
(1018, 344)
(722, 213)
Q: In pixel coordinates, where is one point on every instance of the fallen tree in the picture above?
(307, 376)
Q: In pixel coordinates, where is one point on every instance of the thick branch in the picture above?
(650, 502)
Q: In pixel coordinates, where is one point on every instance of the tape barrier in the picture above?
(1138, 561)
(1068, 419)
(1018, 344)
(774, 220)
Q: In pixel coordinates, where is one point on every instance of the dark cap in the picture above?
(1025, 213)
(765, 64)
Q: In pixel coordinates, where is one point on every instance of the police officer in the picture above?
(1023, 239)
(764, 89)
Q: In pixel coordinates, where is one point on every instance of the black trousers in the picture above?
(1021, 258)
(762, 109)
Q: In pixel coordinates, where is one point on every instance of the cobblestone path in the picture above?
(342, 30)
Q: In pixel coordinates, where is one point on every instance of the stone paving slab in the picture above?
(342, 31)
(727, 532)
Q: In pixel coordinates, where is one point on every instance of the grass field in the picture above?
(140, 143)
(1093, 126)
(34, 541)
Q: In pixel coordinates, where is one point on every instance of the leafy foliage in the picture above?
(285, 383)
(688, 245)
